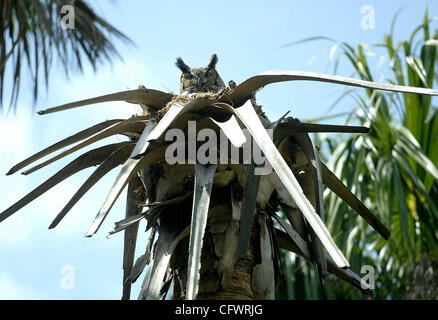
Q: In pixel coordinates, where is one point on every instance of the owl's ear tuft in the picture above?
(212, 63)
(182, 65)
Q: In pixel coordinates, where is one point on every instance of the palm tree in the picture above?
(31, 35)
(218, 225)
(393, 168)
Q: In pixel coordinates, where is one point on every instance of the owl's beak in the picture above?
(199, 83)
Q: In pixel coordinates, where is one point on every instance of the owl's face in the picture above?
(199, 79)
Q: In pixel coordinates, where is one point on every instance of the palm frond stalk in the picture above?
(219, 225)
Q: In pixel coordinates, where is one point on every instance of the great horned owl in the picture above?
(200, 79)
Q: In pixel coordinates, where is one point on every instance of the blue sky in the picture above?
(247, 37)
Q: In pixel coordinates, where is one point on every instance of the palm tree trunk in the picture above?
(223, 276)
(219, 284)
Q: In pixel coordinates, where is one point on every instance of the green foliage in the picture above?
(393, 169)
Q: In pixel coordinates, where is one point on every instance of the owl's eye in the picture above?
(189, 76)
